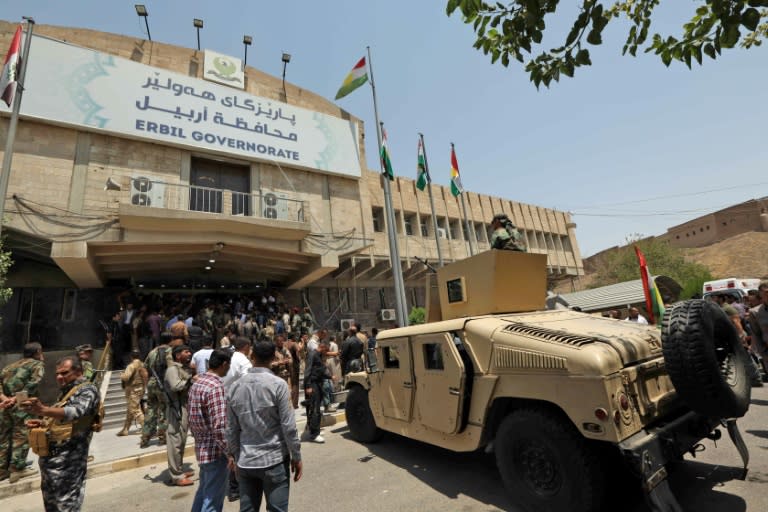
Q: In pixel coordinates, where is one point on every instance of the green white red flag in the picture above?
(10, 76)
(456, 187)
(357, 77)
(422, 177)
(653, 302)
(386, 163)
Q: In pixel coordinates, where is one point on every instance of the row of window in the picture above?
(344, 300)
(454, 229)
(27, 305)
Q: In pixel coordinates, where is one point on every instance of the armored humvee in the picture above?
(558, 396)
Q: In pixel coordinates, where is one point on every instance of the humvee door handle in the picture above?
(454, 391)
(407, 385)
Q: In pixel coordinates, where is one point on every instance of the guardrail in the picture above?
(263, 204)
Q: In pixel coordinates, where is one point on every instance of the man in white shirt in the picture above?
(201, 357)
(635, 316)
(240, 362)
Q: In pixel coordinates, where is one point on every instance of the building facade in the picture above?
(748, 216)
(141, 165)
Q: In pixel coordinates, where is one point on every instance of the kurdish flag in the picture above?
(357, 77)
(10, 77)
(456, 187)
(386, 163)
(653, 303)
(421, 166)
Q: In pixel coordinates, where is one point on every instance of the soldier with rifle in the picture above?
(153, 375)
(178, 379)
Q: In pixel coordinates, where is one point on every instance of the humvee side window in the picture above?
(433, 356)
(390, 358)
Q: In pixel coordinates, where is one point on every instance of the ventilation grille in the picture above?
(548, 335)
(504, 357)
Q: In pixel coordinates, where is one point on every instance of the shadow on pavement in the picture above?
(696, 484)
(758, 433)
(757, 401)
(164, 477)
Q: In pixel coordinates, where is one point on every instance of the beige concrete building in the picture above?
(132, 169)
(740, 218)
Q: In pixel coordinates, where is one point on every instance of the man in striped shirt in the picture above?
(208, 424)
(261, 434)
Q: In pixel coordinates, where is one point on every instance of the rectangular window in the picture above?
(455, 229)
(433, 357)
(480, 232)
(378, 219)
(567, 243)
(326, 299)
(410, 220)
(390, 357)
(25, 305)
(343, 299)
(382, 299)
(424, 226)
(68, 305)
(364, 294)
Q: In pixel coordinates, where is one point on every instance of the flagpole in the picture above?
(394, 253)
(5, 173)
(466, 219)
(431, 201)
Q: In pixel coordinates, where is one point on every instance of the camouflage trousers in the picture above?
(14, 443)
(62, 476)
(133, 412)
(154, 419)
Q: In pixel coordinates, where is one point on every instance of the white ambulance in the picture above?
(736, 286)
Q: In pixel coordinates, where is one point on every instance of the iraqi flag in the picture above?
(357, 77)
(653, 302)
(10, 76)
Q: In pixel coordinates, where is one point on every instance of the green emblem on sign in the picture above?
(225, 68)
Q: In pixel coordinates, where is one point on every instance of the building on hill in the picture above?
(142, 165)
(748, 216)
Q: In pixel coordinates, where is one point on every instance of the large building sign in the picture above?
(76, 86)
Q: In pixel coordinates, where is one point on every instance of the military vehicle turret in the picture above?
(552, 393)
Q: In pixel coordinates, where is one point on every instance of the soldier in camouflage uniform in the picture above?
(70, 423)
(133, 385)
(84, 353)
(23, 375)
(505, 235)
(154, 419)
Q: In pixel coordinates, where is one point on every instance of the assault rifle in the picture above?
(174, 406)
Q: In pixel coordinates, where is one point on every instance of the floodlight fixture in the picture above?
(141, 10)
(247, 41)
(198, 24)
(286, 60)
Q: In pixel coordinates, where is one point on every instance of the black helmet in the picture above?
(501, 217)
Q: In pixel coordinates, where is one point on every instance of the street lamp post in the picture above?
(247, 40)
(141, 10)
(286, 60)
(198, 23)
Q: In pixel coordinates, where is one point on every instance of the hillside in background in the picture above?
(743, 255)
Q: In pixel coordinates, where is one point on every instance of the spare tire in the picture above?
(705, 359)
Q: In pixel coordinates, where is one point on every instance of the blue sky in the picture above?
(604, 145)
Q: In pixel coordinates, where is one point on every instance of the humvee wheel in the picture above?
(546, 465)
(362, 426)
(705, 359)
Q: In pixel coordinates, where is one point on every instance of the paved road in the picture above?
(399, 474)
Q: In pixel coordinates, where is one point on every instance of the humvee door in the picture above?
(440, 382)
(394, 380)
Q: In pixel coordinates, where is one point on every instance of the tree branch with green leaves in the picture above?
(513, 31)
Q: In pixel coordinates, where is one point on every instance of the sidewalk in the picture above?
(112, 454)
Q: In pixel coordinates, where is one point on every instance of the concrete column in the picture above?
(79, 173)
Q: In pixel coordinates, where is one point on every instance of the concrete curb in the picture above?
(139, 460)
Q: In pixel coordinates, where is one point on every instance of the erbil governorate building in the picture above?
(211, 164)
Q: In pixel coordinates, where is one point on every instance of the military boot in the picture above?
(126, 427)
(19, 474)
(144, 443)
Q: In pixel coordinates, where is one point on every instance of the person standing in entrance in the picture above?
(178, 379)
(133, 385)
(263, 443)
